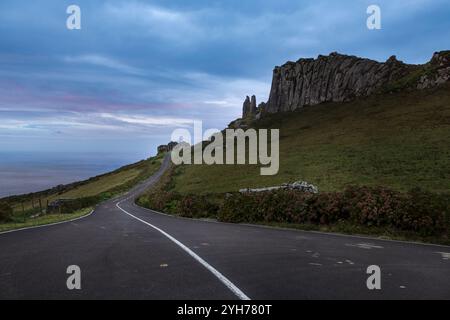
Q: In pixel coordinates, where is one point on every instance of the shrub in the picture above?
(372, 206)
(5, 212)
(418, 211)
(193, 206)
(425, 213)
(163, 201)
(421, 212)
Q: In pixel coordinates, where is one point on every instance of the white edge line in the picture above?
(241, 295)
(49, 224)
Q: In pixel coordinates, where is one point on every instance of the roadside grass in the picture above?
(85, 194)
(398, 140)
(25, 222)
(103, 184)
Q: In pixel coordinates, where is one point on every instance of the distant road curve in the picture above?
(128, 252)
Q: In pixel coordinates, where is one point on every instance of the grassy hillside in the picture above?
(399, 140)
(101, 187)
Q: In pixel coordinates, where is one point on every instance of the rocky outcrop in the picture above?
(302, 186)
(340, 78)
(440, 64)
(335, 78)
(249, 107)
(167, 147)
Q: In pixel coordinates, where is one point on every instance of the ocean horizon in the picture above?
(25, 172)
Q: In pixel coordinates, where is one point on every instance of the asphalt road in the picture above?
(126, 252)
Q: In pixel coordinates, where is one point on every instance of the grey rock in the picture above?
(302, 186)
(253, 105)
(440, 64)
(249, 108)
(246, 107)
(167, 147)
(339, 78)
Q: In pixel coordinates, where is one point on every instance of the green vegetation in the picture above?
(5, 212)
(411, 79)
(30, 209)
(419, 212)
(399, 140)
(19, 222)
(415, 215)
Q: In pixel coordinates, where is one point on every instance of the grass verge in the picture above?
(19, 223)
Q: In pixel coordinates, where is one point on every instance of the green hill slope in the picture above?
(399, 140)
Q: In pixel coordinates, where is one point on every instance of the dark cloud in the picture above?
(177, 60)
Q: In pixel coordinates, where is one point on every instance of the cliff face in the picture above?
(340, 78)
(329, 78)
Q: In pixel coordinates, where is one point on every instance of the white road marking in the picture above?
(315, 264)
(367, 246)
(241, 295)
(49, 224)
(445, 255)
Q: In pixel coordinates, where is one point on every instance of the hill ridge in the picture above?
(342, 78)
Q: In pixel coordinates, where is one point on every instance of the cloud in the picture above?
(140, 67)
(103, 61)
(151, 121)
(157, 21)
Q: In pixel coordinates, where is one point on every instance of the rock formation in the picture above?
(335, 77)
(340, 78)
(167, 147)
(298, 185)
(249, 107)
(440, 64)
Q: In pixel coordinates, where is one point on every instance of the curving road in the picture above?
(127, 252)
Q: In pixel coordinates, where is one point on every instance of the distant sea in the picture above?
(30, 172)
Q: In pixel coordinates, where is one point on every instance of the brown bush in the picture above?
(418, 211)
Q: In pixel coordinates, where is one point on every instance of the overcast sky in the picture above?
(139, 69)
